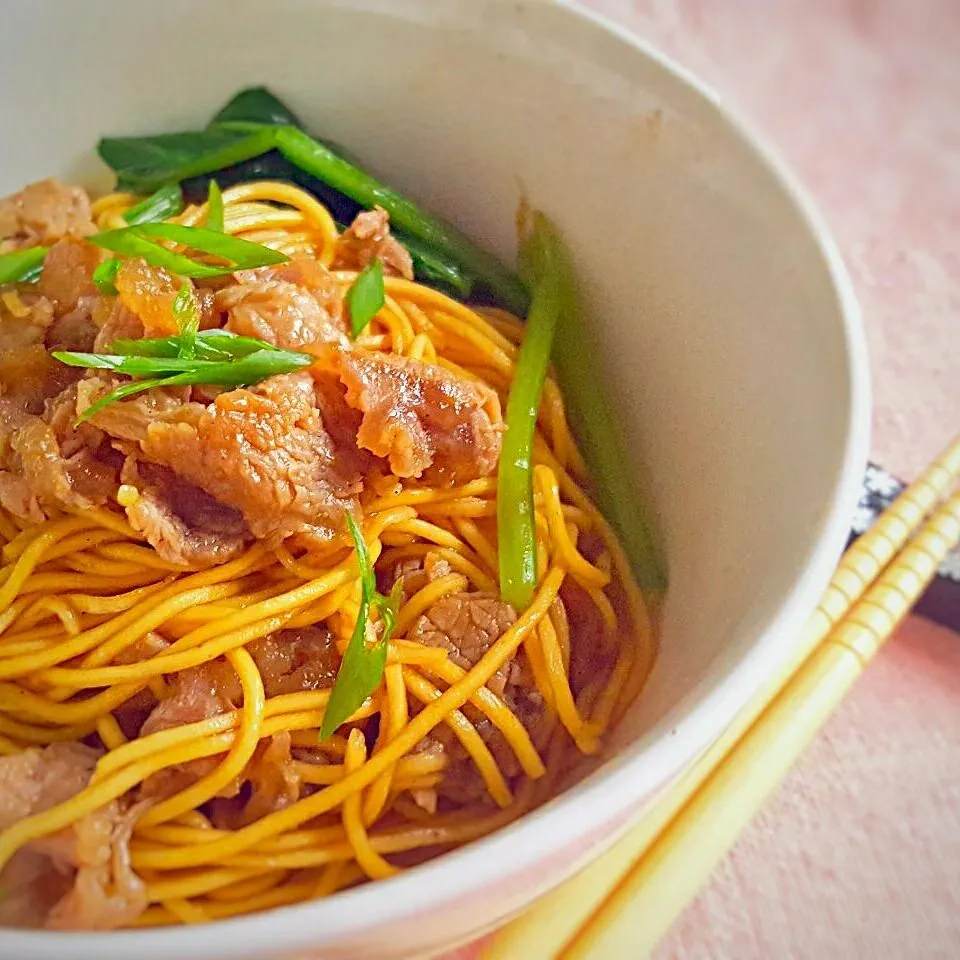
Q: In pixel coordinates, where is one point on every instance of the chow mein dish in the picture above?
(302, 578)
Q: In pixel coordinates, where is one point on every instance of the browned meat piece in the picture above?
(273, 784)
(265, 452)
(67, 275)
(92, 464)
(74, 331)
(289, 661)
(415, 574)
(54, 463)
(466, 625)
(196, 694)
(149, 293)
(114, 321)
(37, 779)
(43, 213)
(132, 713)
(369, 237)
(79, 878)
(273, 778)
(181, 522)
(305, 658)
(342, 423)
(428, 422)
(129, 419)
(290, 305)
(29, 375)
(44, 469)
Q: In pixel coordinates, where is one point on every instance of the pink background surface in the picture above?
(858, 854)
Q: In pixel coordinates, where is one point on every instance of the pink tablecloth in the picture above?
(858, 855)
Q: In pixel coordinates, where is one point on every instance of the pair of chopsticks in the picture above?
(622, 904)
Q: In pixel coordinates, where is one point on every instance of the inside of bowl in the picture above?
(709, 297)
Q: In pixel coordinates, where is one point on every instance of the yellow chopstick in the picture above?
(559, 917)
(652, 895)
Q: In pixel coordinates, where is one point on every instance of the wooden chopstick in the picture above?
(614, 903)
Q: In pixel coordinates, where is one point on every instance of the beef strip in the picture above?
(428, 422)
(265, 452)
(43, 213)
(79, 878)
(369, 237)
(183, 523)
(291, 305)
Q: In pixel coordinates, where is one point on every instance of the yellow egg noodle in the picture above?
(80, 589)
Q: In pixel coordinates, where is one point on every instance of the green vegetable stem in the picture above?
(545, 266)
(255, 123)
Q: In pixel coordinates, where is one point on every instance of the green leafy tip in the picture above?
(362, 667)
(214, 207)
(365, 296)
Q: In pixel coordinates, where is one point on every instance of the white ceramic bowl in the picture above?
(729, 327)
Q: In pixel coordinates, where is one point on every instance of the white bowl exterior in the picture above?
(732, 339)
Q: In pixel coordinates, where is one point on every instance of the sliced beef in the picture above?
(52, 462)
(132, 713)
(114, 321)
(368, 238)
(414, 574)
(42, 214)
(184, 524)
(92, 464)
(265, 452)
(289, 661)
(429, 423)
(37, 779)
(81, 877)
(290, 305)
(195, 694)
(269, 783)
(305, 658)
(129, 419)
(149, 293)
(45, 470)
(342, 424)
(466, 625)
(67, 275)
(28, 374)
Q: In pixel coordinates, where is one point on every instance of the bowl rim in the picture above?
(610, 793)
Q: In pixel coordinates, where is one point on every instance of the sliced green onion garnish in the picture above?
(363, 665)
(365, 296)
(214, 207)
(105, 276)
(165, 203)
(22, 266)
(138, 241)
